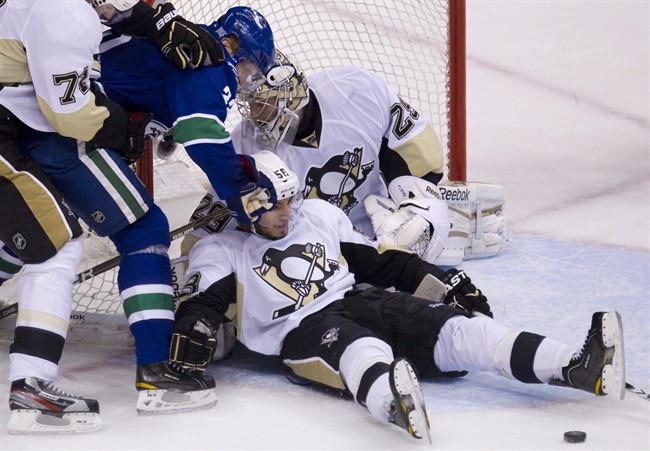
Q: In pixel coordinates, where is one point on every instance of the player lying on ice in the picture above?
(293, 275)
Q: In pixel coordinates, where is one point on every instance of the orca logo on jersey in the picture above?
(338, 179)
(298, 272)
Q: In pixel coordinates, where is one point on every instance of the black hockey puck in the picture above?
(575, 436)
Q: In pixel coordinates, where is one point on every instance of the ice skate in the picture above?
(408, 410)
(167, 388)
(599, 368)
(39, 407)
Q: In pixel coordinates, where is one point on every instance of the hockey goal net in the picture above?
(418, 47)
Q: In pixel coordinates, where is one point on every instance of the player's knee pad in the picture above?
(47, 286)
(360, 357)
(476, 344)
(65, 261)
(478, 221)
(151, 231)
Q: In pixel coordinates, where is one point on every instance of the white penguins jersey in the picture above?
(280, 282)
(46, 92)
(366, 137)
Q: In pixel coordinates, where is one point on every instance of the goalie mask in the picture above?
(275, 223)
(270, 111)
(255, 41)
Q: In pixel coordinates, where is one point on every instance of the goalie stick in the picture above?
(115, 261)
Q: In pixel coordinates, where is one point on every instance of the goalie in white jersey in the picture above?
(356, 144)
(293, 275)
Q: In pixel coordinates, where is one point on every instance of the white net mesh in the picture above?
(406, 42)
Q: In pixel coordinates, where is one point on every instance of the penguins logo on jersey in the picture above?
(298, 272)
(338, 179)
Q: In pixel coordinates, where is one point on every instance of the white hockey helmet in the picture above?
(284, 180)
(112, 15)
(120, 5)
(270, 110)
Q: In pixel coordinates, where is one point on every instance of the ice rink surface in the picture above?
(558, 110)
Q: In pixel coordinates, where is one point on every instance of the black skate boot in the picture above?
(407, 410)
(39, 407)
(599, 368)
(166, 387)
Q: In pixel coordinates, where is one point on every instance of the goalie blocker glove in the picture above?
(463, 295)
(184, 43)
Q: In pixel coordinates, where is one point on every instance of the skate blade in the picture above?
(34, 422)
(406, 384)
(613, 378)
(163, 402)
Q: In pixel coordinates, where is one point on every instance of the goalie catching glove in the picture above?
(414, 218)
(193, 342)
(463, 295)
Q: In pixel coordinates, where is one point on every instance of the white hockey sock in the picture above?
(362, 364)
(550, 358)
(379, 398)
(44, 294)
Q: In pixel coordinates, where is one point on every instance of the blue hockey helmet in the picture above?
(254, 34)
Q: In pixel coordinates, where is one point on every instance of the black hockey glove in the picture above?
(462, 294)
(136, 138)
(193, 342)
(182, 42)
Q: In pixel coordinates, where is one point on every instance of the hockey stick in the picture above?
(115, 261)
(641, 393)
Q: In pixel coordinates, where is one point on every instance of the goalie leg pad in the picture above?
(478, 210)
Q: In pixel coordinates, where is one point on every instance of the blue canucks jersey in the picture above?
(195, 103)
